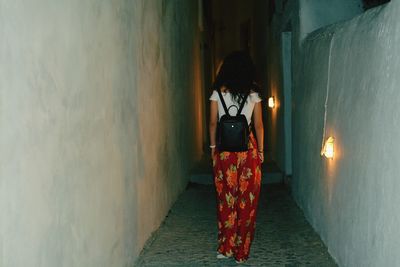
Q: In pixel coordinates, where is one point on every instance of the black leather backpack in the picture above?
(233, 131)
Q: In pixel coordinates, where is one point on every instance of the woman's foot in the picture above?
(240, 261)
(221, 256)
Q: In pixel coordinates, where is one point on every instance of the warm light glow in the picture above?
(328, 150)
(271, 102)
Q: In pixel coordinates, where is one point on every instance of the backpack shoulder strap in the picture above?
(222, 101)
(243, 102)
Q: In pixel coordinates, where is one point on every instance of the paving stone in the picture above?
(188, 235)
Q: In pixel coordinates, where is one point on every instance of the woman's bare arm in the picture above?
(259, 127)
(213, 124)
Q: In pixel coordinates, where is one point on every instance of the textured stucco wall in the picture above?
(97, 127)
(352, 200)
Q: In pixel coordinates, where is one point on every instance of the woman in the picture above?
(237, 175)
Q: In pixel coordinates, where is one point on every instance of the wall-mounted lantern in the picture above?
(328, 150)
(271, 102)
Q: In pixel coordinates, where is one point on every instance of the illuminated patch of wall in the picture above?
(274, 134)
(199, 106)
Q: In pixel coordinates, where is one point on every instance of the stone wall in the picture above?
(101, 119)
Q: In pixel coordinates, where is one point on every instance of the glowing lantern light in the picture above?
(328, 150)
(271, 102)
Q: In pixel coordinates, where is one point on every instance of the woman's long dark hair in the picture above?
(237, 74)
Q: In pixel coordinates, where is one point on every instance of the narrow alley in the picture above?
(187, 236)
(108, 119)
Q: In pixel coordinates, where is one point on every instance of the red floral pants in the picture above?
(237, 177)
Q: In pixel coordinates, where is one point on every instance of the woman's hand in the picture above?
(261, 155)
(212, 153)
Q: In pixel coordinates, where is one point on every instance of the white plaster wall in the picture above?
(301, 18)
(352, 201)
(96, 126)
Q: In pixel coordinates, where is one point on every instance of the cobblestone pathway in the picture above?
(188, 235)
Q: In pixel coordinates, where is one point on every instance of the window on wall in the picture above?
(373, 3)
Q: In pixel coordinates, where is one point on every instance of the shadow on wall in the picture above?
(170, 102)
(368, 4)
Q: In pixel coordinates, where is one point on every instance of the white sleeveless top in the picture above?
(248, 108)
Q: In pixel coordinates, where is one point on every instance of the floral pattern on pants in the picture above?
(237, 178)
